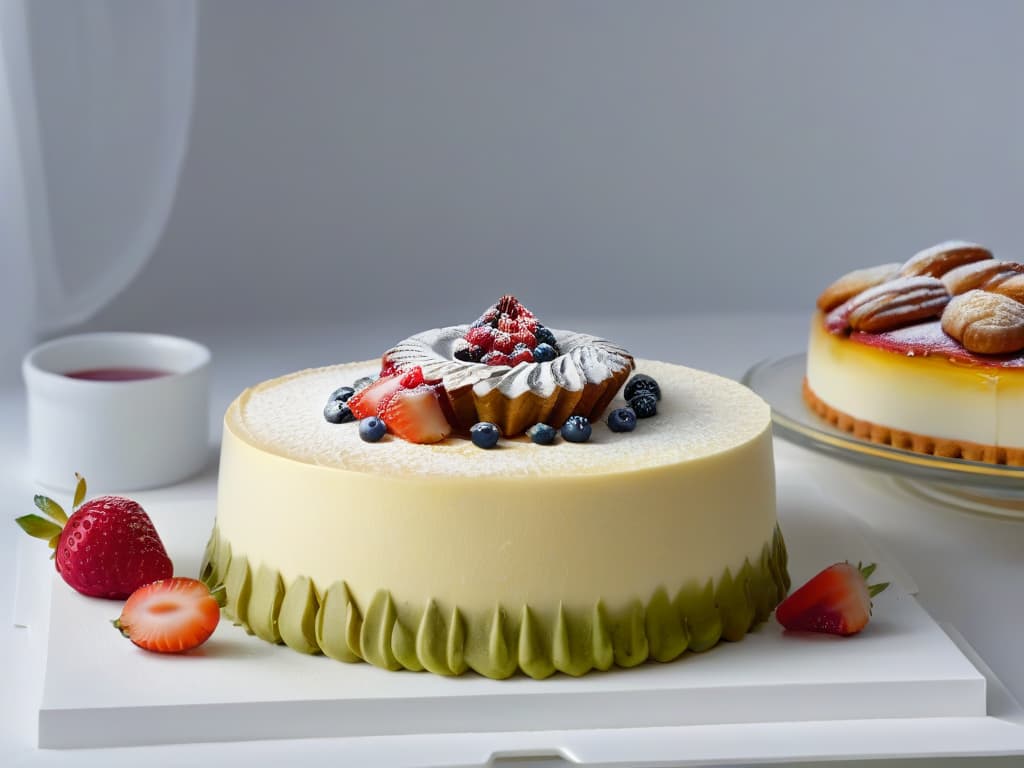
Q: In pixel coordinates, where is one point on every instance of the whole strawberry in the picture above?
(836, 601)
(107, 548)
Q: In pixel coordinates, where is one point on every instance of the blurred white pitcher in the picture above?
(95, 105)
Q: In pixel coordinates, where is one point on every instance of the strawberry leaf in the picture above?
(874, 589)
(40, 527)
(79, 491)
(51, 509)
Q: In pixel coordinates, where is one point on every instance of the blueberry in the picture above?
(622, 420)
(545, 336)
(485, 434)
(642, 382)
(365, 381)
(341, 394)
(544, 353)
(372, 429)
(576, 429)
(542, 434)
(336, 412)
(644, 403)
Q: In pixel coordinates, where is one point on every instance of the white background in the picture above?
(596, 158)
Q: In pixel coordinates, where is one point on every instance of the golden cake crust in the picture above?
(911, 441)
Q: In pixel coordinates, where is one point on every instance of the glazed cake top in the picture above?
(928, 339)
(700, 415)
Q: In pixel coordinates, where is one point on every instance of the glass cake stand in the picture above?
(974, 486)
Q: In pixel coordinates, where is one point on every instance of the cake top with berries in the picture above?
(508, 349)
(699, 416)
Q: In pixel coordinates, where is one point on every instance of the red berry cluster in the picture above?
(506, 334)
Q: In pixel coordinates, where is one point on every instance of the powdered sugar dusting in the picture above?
(584, 360)
(975, 274)
(700, 414)
(928, 339)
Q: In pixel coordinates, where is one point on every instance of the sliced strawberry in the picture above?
(169, 616)
(416, 415)
(366, 401)
(836, 601)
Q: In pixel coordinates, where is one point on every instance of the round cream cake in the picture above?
(531, 558)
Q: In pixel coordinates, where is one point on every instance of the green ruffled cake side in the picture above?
(496, 644)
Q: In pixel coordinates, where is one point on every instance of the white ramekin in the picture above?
(121, 435)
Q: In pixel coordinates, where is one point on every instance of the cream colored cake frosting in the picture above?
(533, 558)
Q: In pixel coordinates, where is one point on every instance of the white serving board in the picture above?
(100, 690)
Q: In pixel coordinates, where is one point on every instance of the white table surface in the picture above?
(969, 569)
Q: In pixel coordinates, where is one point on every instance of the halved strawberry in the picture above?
(415, 415)
(169, 616)
(836, 601)
(366, 401)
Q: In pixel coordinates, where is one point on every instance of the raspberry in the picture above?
(503, 342)
(524, 337)
(481, 336)
(496, 358)
(521, 354)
